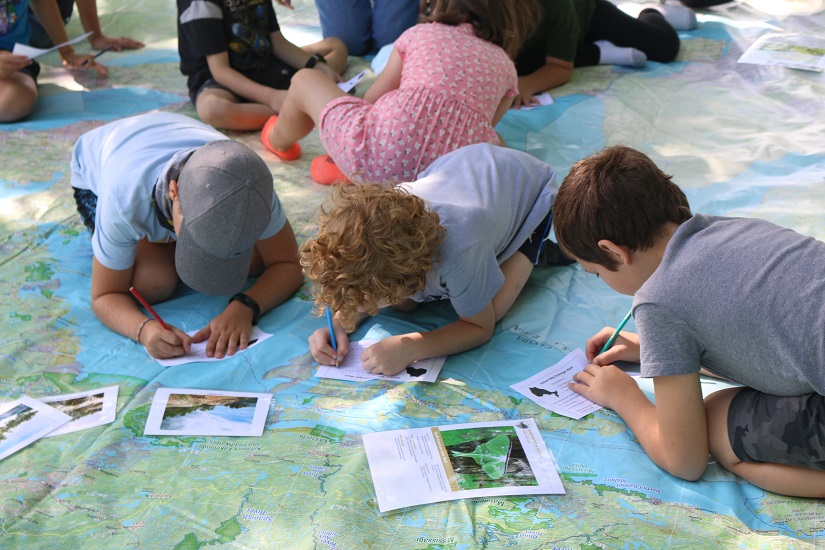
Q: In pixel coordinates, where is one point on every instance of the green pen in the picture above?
(617, 331)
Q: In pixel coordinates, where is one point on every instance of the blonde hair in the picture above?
(374, 247)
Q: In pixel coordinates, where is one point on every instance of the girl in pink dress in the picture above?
(446, 85)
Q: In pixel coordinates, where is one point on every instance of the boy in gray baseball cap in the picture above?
(168, 198)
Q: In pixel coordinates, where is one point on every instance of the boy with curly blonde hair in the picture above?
(469, 229)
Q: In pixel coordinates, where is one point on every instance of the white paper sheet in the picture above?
(24, 421)
(795, 51)
(549, 388)
(485, 459)
(198, 351)
(543, 98)
(183, 412)
(87, 409)
(350, 84)
(32, 52)
(350, 368)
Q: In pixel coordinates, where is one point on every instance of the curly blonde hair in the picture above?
(375, 245)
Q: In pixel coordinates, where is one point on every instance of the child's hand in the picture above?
(10, 63)
(321, 348)
(285, 3)
(327, 70)
(101, 42)
(228, 332)
(625, 347)
(525, 98)
(162, 343)
(603, 385)
(72, 60)
(388, 357)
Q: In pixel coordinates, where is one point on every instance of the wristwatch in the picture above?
(314, 60)
(250, 303)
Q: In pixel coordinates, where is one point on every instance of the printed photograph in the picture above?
(16, 425)
(488, 457)
(193, 413)
(80, 407)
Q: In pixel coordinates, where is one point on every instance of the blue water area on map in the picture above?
(11, 189)
(59, 110)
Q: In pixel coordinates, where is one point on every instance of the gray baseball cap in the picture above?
(225, 192)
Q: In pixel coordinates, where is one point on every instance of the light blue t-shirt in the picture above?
(742, 297)
(489, 200)
(120, 162)
(14, 23)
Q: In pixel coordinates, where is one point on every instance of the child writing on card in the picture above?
(446, 85)
(742, 298)
(18, 73)
(581, 33)
(239, 64)
(168, 198)
(469, 230)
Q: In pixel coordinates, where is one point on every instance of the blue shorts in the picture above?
(86, 206)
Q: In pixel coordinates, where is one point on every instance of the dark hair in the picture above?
(506, 23)
(617, 194)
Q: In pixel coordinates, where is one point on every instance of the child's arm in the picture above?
(49, 15)
(673, 432)
(297, 58)
(114, 306)
(388, 80)
(554, 73)
(281, 277)
(87, 9)
(392, 355)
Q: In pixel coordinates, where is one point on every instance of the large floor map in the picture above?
(741, 139)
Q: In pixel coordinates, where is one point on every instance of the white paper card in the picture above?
(549, 388)
(87, 409)
(24, 421)
(350, 368)
(350, 84)
(32, 52)
(485, 459)
(543, 98)
(181, 412)
(198, 351)
(795, 51)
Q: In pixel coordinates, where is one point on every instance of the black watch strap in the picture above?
(250, 303)
(314, 60)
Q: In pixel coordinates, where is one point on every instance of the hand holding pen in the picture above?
(610, 345)
(161, 340)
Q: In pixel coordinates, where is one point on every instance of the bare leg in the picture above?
(223, 109)
(777, 478)
(18, 97)
(308, 94)
(154, 274)
(517, 269)
(334, 51)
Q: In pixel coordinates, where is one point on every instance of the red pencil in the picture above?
(148, 307)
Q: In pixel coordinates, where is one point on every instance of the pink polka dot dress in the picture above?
(451, 85)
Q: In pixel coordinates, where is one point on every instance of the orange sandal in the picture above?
(324, 171)
(290, 154)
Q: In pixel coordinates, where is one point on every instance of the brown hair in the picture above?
(374, 246)
(617, 194)
(505, 23)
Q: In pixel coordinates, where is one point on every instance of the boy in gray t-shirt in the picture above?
(469, 229)
(741, 298)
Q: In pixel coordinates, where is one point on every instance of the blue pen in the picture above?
(332, 333)
(617, 331)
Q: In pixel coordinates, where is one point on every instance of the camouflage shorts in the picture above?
(781, 430)
(86, 206)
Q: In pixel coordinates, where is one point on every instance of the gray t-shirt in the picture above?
(489, 199)
(742, 297)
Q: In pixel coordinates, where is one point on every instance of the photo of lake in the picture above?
(193, 414)
(16, 425)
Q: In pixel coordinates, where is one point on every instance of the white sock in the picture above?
(611, 54)
(680, 17)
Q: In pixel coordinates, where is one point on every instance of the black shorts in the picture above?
(33, 70)
(276, 74)
(780, 430)
(540, 250)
